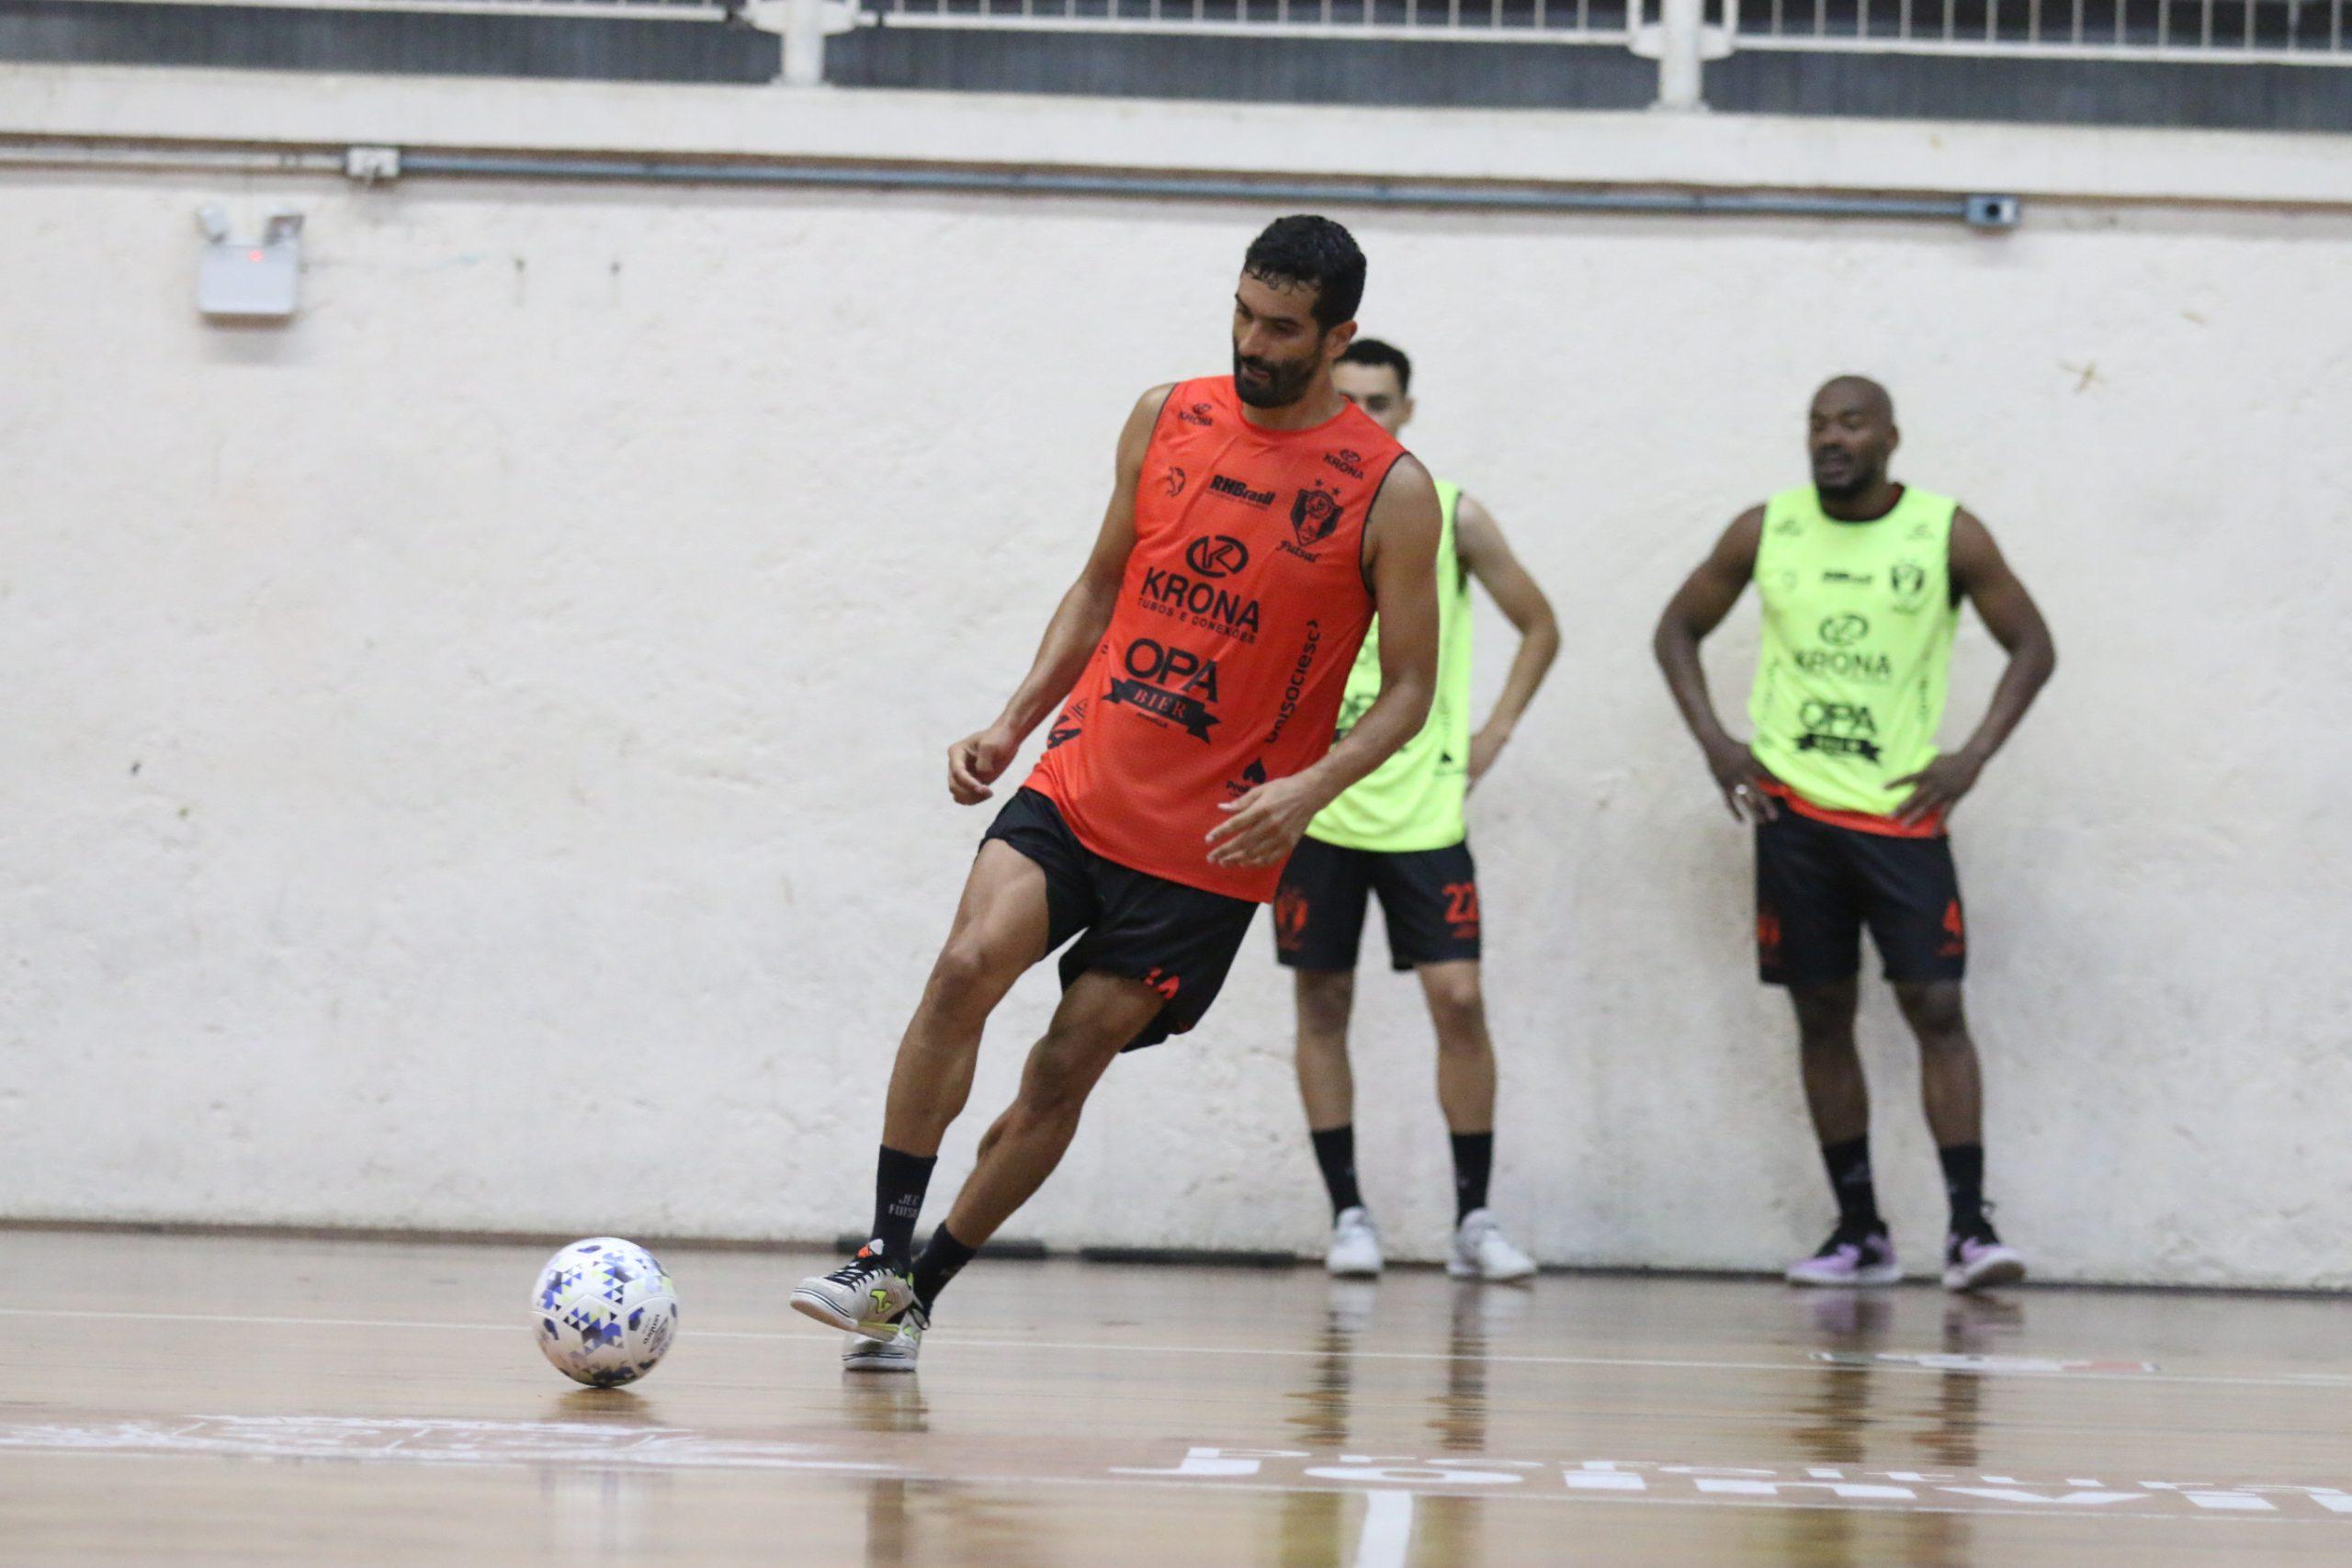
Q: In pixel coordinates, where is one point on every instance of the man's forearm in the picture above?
(1071, 637)
(2030, 670)
(1528, 668)
(1395, 718)
(1686, 678)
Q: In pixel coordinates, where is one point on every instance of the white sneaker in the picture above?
(864, 1295)
(896, 1354)
(1354, 1253)
(1482, 1252)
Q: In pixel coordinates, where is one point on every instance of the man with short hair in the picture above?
(1400, 833)
(1257, 523)
(1861, 580)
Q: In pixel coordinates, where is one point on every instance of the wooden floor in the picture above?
(204, 1400)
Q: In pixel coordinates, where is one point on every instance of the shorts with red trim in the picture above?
(1428, 899)
(1818, 885)
(1179, 941)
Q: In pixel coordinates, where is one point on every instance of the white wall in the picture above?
(476, 752)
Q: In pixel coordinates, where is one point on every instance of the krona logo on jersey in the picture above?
(1201, 600)
(1173, 685)
(1841, 657)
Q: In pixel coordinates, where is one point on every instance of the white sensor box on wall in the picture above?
(249, 280)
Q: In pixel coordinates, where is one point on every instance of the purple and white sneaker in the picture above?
(1849, 1257)
(1976, 1259)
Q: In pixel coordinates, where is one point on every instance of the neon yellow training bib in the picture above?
(1413, 801)
(1857, 627)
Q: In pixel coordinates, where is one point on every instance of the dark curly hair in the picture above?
(1308, 249)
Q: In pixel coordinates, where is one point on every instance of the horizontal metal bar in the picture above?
(1021, 182)
(609, 10)
(166, 157)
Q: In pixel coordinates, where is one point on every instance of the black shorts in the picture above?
(1818, 885)
(1429, 898)
(1180, 940)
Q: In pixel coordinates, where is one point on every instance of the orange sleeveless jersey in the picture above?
(1241, 611)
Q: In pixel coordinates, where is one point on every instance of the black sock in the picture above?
(941, 1261)
(1964, 1182)
(1335, 1151)
(899, 1179)
(1474, 1160)
(1849, 1177)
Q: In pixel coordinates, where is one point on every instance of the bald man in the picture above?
(1861, 578)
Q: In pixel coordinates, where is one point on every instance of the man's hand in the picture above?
(1937, 787)
(977, 760)
(1484, 746)
(1742, 779)
(1264, 826)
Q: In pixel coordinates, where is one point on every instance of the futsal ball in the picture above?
(604, 1311)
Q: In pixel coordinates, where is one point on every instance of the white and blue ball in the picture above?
(604, 1311)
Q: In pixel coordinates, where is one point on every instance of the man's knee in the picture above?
(1457, 1006)
(968, 973)
(1064, 1068)
(1826, 1015)
(1327, 998)
(1932, 1008)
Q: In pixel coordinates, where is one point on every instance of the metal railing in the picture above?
(1679, 34)
(1457, 21)
(2222, 31)
(2291, 32)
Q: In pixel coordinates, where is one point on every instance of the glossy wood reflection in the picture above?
(195, 1400)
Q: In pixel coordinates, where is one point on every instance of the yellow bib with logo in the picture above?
(1414, 800)
(1859, 620)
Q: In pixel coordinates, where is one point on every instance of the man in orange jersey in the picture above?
(1258, 524)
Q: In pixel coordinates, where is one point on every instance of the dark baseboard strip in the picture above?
(1189, 1256)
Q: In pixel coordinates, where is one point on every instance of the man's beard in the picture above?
(1285, 382)
(1859, 478)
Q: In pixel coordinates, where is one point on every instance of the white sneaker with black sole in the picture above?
(1354, 1252)
(896, 1354)
(864, 1295)
(1481, 1251)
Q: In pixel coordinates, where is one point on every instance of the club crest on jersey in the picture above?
(1909, 580)
(1313, 515)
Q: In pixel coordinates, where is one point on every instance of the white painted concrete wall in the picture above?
(475, 752)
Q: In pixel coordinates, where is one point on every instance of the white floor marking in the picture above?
(1805, 1364)
(1790, 1504)
(1387, 1529)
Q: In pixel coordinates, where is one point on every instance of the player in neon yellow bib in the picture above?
(1400, 833)
(1862, 581)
